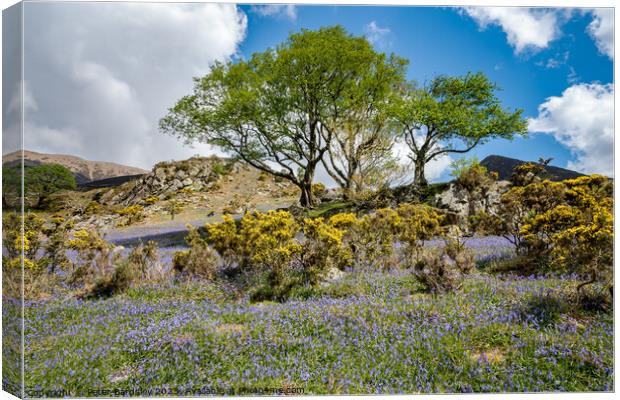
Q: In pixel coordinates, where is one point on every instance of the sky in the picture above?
(99, 76)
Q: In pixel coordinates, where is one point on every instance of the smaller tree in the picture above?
(39, 182)
(452, 115)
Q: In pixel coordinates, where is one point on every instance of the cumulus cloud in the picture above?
(288, 11)
(525, 28)
(601, 29)
(582, 119)
(376, 34)
(101, 75)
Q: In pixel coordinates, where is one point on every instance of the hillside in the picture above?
(504, 166)
(84, 170)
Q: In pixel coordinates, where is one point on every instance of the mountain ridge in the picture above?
(505, 165)
(84, 170)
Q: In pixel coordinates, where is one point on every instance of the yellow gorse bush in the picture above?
(130, 210)
(576, 230)
(151, 200)
(417, 223)
(259, 238)
(324, 247)
(87, 240)
(343, 220)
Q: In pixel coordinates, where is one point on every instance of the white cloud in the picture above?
(555, 62)
(103, 74)
(601, 29)
(288, 11)
(582, 119)
(433, 170)
(525, 28)
(376, 35)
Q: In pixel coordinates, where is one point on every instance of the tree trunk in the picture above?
(419, 180)
(307, 199)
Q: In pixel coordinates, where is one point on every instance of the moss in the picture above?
(330, 208)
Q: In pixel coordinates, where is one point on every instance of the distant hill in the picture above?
(504, 166)
(84, 170)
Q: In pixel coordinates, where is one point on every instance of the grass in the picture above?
(364, 333)
(329, 208)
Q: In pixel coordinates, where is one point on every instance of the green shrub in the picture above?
(222, 168)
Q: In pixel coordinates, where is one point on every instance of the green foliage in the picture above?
(451, 110)
(322, 250)
(44, 250)
(222, 169)
(262, 247)
(57, 233)
(278, 107)
(39, 182)
(458, 166)
(95, 258)
(477, 182)
(329, 208)
(22, 248)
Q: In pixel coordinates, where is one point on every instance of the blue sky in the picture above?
(102, 73)
(449, 41)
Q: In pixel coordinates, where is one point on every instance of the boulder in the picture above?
(331, 195)
(455, 200)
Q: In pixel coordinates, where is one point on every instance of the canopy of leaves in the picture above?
(39, 181)
(451, 112)
(279, 110)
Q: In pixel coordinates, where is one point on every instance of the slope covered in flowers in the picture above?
(363, 333)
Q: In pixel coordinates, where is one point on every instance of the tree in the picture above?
(39, 182)
(278, 111)
(449, 112)
(360, 152)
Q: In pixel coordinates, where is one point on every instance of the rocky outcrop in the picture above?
(195, 174)
(456, 199)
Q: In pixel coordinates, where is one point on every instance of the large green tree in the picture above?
(360, 152)
(452, 115)
(280, 110)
